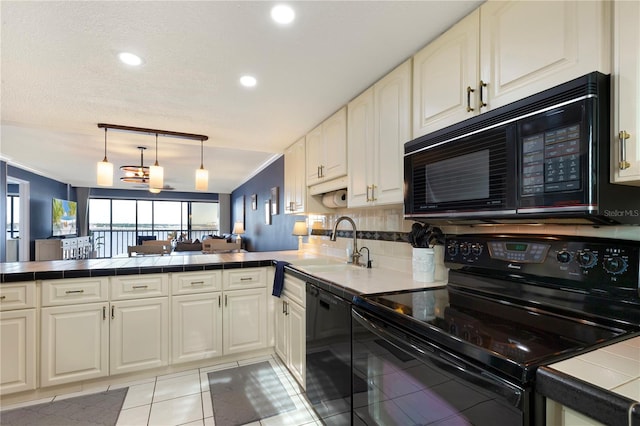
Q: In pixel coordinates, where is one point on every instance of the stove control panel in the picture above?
(594, 263)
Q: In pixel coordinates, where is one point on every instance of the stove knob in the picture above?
(476, 249)
(615, 265)
(563, 256)
(465, 249)
(452, 249)
(586, 259)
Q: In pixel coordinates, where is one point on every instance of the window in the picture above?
(115, 224)
(13, 216)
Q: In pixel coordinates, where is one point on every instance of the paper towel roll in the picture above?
(335, 199)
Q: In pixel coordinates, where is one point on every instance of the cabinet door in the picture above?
(281, 330)
(139, 334)
(626, 93)
(294, 178)
(530, 46)
(75, 343)
(196, 324)
(334, 131)
(296, 341)
(244, 320)
(314, 155)
(392, 126)
(17, 351)
(442, 72)
(360, 130)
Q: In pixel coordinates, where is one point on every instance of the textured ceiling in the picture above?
(61, 76)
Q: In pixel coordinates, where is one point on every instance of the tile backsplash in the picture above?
(397, 255)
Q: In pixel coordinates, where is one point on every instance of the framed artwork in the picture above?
(274, 200)
(254, 202)
(267, 212)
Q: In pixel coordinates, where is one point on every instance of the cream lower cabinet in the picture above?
(561, 415)
(290, 328)
(17, 338)
(244, 311)
(625, 146)
(75, 343)
(139, 334)
(196, 316)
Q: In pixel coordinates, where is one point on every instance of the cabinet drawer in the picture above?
(17, 296)
(196, 282)
(294, 289)
(74, 290)
(244, 278)
(137, 286)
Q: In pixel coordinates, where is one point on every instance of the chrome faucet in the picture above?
(355, 255)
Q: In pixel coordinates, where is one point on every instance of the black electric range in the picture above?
(512, 304)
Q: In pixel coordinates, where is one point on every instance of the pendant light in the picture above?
(104, 167)
(156, 173)
(202, 174)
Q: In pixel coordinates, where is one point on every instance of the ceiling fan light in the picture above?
(202, 179)
(154, 190)
(105, 173)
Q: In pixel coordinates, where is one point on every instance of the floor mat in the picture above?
(246, 394)
(87, 410)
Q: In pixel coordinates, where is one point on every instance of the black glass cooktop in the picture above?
(493, 332)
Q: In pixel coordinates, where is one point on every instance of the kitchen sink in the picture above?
(328, 267)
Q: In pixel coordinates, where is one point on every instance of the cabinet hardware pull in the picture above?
(74, 291)
(3, 297)
(622, 137)
(140, 286)
(373, 196)
(246, 279)
(113, 312)
(225, 300)
(219, 301)
(321, 171)
(469, 91)
(197, 282)
(482, 102)
(368, 188)
(284, 309)
(318, 172)
(104, 313)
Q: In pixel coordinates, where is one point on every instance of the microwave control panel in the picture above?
(590, 262)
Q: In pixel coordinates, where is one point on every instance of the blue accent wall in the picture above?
(42, 191)
(258, 235)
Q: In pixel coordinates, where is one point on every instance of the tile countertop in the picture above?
(603, 384)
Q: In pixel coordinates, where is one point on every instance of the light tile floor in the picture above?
(184, 399)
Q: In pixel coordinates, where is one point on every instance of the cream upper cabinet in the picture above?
(530, 46)
(505, 51)
(379, 124)
(626, 94)
(294, 178)
(326, 147)
(444, 74)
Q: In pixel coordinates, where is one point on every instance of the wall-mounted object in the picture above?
(267, 212)
(274, 200)
(254, 202)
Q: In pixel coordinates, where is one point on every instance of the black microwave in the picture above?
(545, 158)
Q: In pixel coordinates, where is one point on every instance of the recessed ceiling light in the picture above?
(248, 81)
(282, 14)
(130, 58)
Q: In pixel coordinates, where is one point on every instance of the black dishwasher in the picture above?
(328, 365)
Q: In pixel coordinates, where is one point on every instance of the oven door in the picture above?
(473, 175)
(401, 380)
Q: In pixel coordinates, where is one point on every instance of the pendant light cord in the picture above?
(105, 146)
(201, 154)
(156, 151)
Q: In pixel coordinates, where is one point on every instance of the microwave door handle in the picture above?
(622, 137)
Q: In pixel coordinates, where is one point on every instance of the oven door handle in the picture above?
(432, 354)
